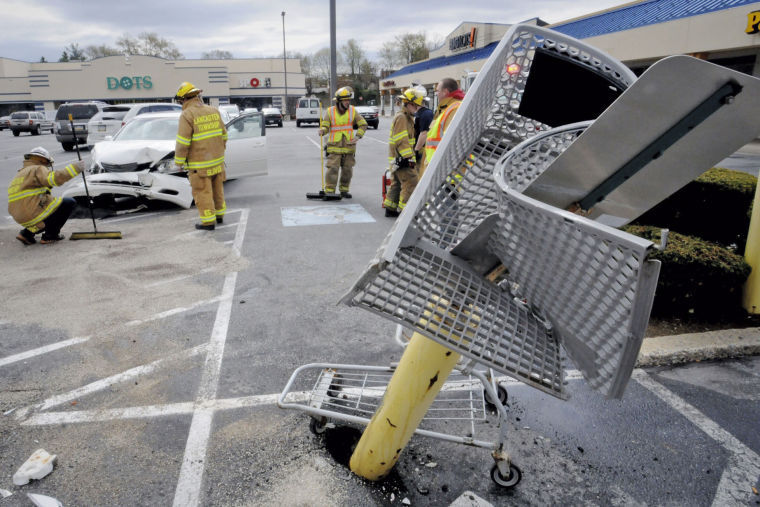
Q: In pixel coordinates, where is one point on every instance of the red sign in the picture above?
(255, 83)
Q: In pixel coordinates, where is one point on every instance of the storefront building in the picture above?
(725, 32)
(249, 82)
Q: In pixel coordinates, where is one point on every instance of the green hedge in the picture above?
(698, 278)
(715, 207)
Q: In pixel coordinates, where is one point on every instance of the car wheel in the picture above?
(36, 131)
(279, 124)
(67, 146)
(15, 133)
(298, 123)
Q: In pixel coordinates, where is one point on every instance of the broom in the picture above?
(95, 234)
(322, 195)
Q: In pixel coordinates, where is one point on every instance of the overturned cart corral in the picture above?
(487, 261)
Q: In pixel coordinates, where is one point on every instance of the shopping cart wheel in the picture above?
(506, 482)
(318, 425)
(501, 392)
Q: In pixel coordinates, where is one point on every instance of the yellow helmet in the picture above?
(187, 90)
(344, 93)
(413, 95)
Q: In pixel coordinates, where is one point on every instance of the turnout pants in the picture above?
(208, 192)
(404, 182)
(343, 163)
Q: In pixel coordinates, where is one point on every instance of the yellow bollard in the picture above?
(422, 370)
(751, 296)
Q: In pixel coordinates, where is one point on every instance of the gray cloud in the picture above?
(252, 28)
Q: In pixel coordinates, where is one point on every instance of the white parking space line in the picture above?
(743, 469)
(376, 140)
(312, 141)
(190, 480)
(42, 350)
(104, 383)
(173, 311)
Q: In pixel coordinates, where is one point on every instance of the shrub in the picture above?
(698, 278)
(716, 207)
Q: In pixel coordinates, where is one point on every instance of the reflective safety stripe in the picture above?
(207, 135)
(72, 170)
(342, 124)
(27, 193)
(337, 149)
(389, 204)
(205, 164)
(406, 152)
(180, 160)
(401, 205)
(436, 132)
(183, 140)
(221, 212)
(42, 216)
(343, 188)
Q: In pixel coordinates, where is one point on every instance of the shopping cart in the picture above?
(352, 393)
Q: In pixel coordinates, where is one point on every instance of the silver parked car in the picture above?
(30, 121)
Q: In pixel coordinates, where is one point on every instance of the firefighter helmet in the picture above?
(344, 93)
(414, 95)
(187, 90)
(39, 151)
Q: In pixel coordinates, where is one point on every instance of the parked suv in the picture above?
(29, 121)
(81, 113)
(307, 111)
(112, 118)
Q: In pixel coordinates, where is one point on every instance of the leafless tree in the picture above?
(217, 54)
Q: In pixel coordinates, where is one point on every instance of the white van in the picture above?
(307, 111)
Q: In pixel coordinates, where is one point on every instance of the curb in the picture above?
(686, 348)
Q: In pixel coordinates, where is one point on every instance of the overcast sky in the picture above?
(253, 28)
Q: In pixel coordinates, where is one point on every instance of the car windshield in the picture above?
(78, 111)
(144, 129)
(19, 116)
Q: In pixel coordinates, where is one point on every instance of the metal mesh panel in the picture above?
(592, 282)
(486, 126)
(442, 298)
(521, 166)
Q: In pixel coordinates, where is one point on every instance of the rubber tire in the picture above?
(318, 426)
(67, 146)
(501, 392)
(16, 133)
(279, 124)
(515, 475)
(298, 123)
(36, 131)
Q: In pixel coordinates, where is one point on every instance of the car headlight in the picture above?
(95, 168)
(165, 166)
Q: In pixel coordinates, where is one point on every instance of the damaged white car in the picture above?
(138, 163)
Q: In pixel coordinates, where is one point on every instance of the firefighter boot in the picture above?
(47, 239)
(26, 237)
(205, 227)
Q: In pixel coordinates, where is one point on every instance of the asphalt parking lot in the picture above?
(150, 367)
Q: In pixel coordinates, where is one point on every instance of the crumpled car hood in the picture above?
(125, 152)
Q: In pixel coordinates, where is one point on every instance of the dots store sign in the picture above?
(127, 83)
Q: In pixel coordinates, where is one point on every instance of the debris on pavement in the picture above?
(43, 501)
(37, 466)
(5, 493)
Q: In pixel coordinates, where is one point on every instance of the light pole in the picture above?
(285, 67)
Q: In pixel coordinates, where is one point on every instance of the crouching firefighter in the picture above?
(339, 121)
(29, 200)
(401, 157)
(199, 150)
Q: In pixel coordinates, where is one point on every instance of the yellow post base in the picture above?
(751, 296)
(422, 370)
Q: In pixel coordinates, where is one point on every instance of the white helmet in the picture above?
(39, 151)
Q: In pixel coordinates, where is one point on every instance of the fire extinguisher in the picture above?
(386, 184)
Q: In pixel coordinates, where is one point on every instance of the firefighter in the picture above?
(339, 122)
(449, 99)
(401, 157)
(30, 202)
(199, 150)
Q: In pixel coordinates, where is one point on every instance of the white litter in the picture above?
(432, 464)
(37, 466)
(406, 501)
(5, 493)
(43, 501)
